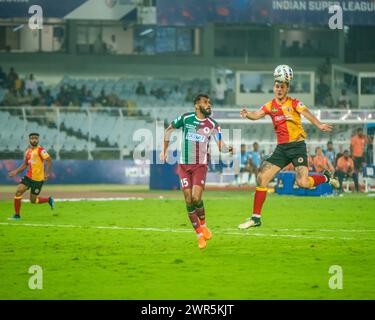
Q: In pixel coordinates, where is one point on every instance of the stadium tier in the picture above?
(114, 129)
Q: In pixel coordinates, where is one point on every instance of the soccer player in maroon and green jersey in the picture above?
(197, 130)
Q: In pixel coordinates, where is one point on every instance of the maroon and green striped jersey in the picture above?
(196, 137)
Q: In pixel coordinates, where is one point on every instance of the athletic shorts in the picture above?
(35, 186)
(286, 153)
(358, 163)
(192, 175)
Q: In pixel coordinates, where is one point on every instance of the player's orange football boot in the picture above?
(206, 233)
(202, 242)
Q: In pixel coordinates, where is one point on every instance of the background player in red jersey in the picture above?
(35, 156)
(286, 117)
(197, 129)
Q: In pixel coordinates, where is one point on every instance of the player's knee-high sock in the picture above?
(317, 179)
(17, 205)
(259, 198)
(41, 200)
(201, 213)
(194, 219)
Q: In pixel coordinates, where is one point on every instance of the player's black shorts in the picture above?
(35, 186)
(289, 152)
(358, 163)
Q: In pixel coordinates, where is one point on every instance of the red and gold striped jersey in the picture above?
(34, 159)
(286, 119)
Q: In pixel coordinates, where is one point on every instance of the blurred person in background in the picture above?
(330, 153)
(345, 169)
(112, 45)
(321, 162)
(220, 89)
(243, 159)
(357, 148)
(11, 98)
(141, 89)
(31, 83)
(344, 101)
(255, 160)
(3, 78)
(11, 78)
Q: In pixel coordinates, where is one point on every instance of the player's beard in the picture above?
(34, 144)
(205, 112)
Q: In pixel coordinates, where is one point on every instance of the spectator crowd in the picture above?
(346, 164)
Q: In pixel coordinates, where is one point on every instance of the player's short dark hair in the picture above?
(33, 134)
(200, 96)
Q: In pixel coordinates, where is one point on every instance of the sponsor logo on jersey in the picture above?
(280, 118)
(195, 137)
(274, 110)
(190, 126)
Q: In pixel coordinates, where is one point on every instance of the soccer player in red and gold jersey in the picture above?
(285, 113)
(35, 156)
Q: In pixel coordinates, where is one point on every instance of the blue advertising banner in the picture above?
(303, 12)
(86, 172)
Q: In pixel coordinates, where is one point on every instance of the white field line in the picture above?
(257, 234)
(94, 199)
(314, 230)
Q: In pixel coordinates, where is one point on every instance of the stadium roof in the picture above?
(101, 10)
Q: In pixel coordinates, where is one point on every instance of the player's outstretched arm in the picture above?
(48, 168)
(18, 170)
(252, 115)
(315, 121)
(167, 136)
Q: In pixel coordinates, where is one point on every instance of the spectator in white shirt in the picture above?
(31, 84)
(220, 89)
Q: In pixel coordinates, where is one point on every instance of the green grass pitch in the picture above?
(153, 252)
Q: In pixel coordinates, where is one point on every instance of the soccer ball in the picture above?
(283, 73)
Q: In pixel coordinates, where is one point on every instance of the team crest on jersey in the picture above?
(287, 109)
(206, 130)
(274, 110)
(300, 160)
